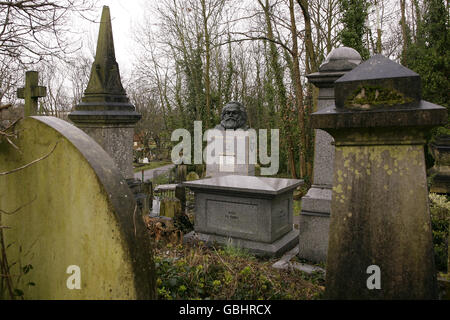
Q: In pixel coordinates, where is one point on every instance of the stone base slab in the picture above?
(313, 238)
(275, 249)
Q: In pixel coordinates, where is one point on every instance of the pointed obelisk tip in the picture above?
(105, 43)
(105, 76)
(105, 100)
(106, 16)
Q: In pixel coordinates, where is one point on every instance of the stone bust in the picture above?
(234, 116)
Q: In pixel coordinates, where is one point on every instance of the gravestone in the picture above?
(76, 211)
(232, 143)
(31, 92)
(314, 220)
(440, 173)
(380, 243)
(105, 112)
(249, 212)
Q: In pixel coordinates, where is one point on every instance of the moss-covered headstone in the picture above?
(380, 243)
(77, 234)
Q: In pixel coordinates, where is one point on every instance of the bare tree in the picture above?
(30, 30)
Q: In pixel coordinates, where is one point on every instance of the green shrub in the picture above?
(440, 217)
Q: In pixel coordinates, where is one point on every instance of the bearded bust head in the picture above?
(234, 116)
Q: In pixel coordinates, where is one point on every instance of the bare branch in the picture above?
(29, 164)
(17, 210)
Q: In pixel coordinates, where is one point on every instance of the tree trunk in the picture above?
(404, 33)
(298, 91)
(281, 90)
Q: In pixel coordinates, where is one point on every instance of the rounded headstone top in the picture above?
(340, 59)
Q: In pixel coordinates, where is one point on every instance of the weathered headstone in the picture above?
(105, 112)
(31, 92)
(234, 147)
(380, 243)
(316, 204)
(77, 230)
(249, 212)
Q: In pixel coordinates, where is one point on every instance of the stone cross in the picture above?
(31, 92)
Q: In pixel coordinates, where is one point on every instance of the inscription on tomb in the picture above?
(232, 218)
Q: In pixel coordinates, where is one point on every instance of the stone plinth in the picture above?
(232, 153)
(249, 212)
(316, 204)
(105, 112)
(379, 212)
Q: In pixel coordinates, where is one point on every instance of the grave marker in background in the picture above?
(316, 204)
(440, 173)
(31, 92)
(105, 112)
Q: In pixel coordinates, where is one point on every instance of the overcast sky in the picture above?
(124, 14)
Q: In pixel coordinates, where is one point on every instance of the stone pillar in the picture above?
(316, 204)
(105, 112)
(380, 243)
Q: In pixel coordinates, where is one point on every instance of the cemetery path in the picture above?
(153, 173)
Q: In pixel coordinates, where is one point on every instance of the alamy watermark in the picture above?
(239, 145)
(74, 281)
(374, 281)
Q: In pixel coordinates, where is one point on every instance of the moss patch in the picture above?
(368, 97)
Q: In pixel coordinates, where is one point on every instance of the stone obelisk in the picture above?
(105, 112)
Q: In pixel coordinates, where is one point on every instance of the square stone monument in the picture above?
(233, 155)
(380, 242)
(250, 212)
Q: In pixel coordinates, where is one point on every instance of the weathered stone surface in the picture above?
(76, 210)
(31, 92)
(380, 217)
(246, 185)
(256, 213)
(105, 112)
(341, 59)
(316, 204)
(116, 142)
(379, 211)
